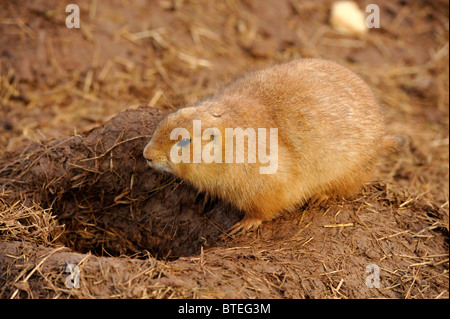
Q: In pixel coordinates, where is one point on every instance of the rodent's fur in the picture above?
(330, 133)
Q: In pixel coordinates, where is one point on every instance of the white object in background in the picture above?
(348, 18)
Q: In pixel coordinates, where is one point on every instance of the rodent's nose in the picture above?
(146, 153)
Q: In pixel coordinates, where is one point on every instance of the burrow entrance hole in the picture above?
(172, 221)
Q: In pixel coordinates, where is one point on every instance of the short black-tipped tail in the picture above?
(393, 143)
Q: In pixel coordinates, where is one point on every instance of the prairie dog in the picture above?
(330, 131)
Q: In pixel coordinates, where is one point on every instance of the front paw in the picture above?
(245, 225)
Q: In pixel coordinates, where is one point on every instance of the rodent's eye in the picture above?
(184, 142)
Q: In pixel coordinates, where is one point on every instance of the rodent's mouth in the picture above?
(159, 167)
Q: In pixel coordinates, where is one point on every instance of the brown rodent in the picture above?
(330, 133)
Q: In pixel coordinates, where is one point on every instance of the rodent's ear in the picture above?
(216, 112)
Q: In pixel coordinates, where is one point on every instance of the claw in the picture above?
(245, 225)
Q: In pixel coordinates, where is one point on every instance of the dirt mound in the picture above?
(99, 186)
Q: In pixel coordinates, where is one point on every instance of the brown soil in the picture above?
(77, 106)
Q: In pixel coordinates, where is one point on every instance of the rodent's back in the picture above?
(327, 117)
